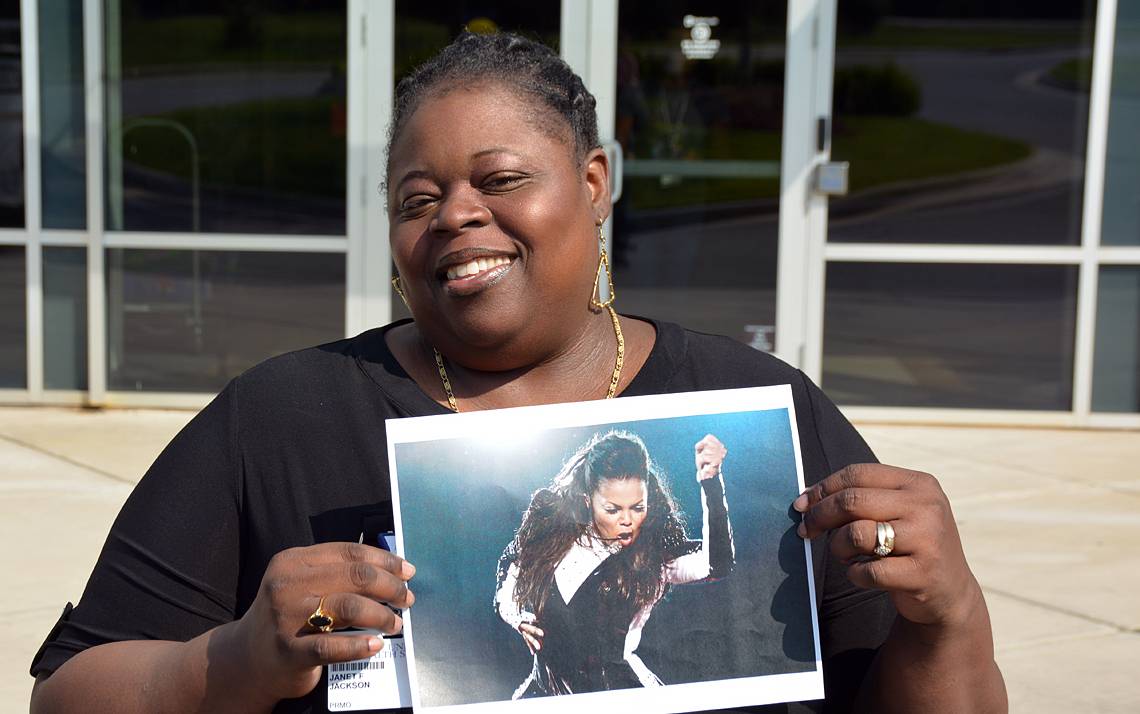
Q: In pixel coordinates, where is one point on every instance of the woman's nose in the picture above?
(460, 210)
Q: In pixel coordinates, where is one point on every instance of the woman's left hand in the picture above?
(710, 455)
(926, 572)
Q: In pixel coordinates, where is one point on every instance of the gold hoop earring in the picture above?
(399, 288)
(596, 301)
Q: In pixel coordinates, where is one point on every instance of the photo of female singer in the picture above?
(597, 549)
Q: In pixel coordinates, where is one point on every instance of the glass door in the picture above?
(699, 112)
(952, 266)
(224, 195)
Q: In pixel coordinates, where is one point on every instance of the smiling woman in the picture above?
(242, 544)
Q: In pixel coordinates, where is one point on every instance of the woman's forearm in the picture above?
(204, 674)
(717, 530)
(937, 668)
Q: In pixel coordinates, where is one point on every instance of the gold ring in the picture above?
(321, 619)
(884, 539)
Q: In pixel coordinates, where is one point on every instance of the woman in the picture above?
(238, 549)
(595, 552)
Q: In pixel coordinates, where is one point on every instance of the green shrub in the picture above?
(868, 90)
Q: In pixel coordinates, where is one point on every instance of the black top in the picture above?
(293, 453)
(584, 638)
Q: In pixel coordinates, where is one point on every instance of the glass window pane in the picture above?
(1121, 223)
(62, 117)
(226, 117)
(422, 29)
(189, 321)
(1116, 359)
(699, 116)
(65, 318)
(11, 119)
(963, 122)
(972, 336)
(13, 318)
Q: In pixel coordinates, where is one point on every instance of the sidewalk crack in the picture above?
(1122, 629)
(66, 459)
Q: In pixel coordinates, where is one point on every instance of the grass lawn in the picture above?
(301, 38)
(886, 150)
(882, 150)
(285, 145)
(964, 37)
(1076, 75)
(293, 146)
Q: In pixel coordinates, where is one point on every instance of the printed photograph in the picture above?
(647, 555)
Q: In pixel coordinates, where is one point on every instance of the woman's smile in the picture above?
(472, 270)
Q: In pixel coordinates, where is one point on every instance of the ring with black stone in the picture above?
(320, 619)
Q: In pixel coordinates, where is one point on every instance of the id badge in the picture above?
(380, 681)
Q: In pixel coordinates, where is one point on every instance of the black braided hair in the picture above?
(529, 67)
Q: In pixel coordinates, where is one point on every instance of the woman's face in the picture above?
(619, 507)
(494, 225)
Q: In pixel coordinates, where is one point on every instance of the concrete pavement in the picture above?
(1050, 521)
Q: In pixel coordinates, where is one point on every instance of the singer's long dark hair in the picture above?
(559, 515)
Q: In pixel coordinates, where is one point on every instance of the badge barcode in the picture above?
(356, 666)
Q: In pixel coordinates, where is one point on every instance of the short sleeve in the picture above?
(853, 621)
(169, 567)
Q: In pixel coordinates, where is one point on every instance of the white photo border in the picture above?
(686, 697)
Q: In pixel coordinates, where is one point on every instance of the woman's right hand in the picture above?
(710, 453)
(532, 635)
(281, 652)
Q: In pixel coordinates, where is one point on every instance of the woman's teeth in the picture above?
(475, 267)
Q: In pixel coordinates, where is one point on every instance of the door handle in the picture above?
(831, 178)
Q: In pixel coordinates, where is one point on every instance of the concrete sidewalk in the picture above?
(1050, 521)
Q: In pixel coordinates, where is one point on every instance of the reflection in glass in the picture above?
(963, 122)
(62, 117)
(13, 318)
(1116, 356)
(423, 29)
(699, 117)
(972, 336)
(1121, 223)
(226, 117)
(189, 321)
(65, 318)
(11, 119)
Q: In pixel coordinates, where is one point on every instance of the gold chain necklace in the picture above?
(614, 378)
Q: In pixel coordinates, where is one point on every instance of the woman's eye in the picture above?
(500, 182)
(414, 203)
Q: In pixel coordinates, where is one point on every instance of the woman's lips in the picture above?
(475, 275)
(475, 266)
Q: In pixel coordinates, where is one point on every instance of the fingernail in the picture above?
(408, 570)
(801, 503)
(411, 598)
(375, 644)
(399, 625)
(801, 530)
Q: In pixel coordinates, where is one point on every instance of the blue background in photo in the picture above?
(463, 499)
